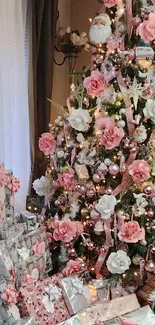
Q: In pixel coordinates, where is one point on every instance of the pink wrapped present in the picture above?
(45, 302)
(11, 188)
(101, 312)
(7, 272)
(3, 182)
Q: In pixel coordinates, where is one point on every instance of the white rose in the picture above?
(80, 119)
(60, 154)
(118, 262)
(42, 186)
(149, 110)
(80, 137)
(140, 134)
(106, 206)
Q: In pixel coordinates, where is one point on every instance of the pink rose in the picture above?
(112, 135)
(79, 227)
(68, 178)
(10, 295)
(110, 3)
(146, 30)
(72, 267)
(139, 171)
(64, 230)
(130, 232)
(95, 84)
(47, 144)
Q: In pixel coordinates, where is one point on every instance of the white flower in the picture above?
(80, 119)
(80, 137)
(140, 200)
(149, 110)
(118, 262)
(106, 206)
(42, 186)
(60, 154)
(87, 157)
(140, 134)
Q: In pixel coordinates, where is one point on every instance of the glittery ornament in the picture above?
(136, 259)
(114, 169)
(96, 178)
(123, 246)
(136, 21)
(91, 246)
(82, 189)
(150, 213)
(57, 203)
(148, 190)
(95, 215)
(121, 124)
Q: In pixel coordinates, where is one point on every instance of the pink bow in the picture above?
(10, 295)
(3, 176)
(39, 248)
(14, 185)
(127, 321)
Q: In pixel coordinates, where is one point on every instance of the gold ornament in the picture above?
(136, 259)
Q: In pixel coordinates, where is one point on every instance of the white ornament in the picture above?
(60, 154)
(100, 30)
(122, 111)
(107, 162)
(121, 124)
(42, 186)
(149, 110)
(80, 119)
(98, 229)
(106, 206)
(140, 134)
(118, 262)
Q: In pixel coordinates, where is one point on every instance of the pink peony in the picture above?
(95, 84)
(68, 178)
(139, 171)
(47, 144)
(64, 230)
(111, 137)
(146, 30)
(130, 232)
(110, 3)
(72, 267)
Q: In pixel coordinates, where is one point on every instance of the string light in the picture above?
(90, 20)
(72, 87)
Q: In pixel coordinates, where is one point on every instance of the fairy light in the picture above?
(72, 87)
(35, 209)
(124, 275)
(90, 20)
(29, 207)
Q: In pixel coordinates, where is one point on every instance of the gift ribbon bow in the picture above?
(79, 287)
(52, 294)
(39, 248)
(10, 295)
(127, 321)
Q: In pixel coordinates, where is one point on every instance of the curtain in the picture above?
(44, 17)
(14, 105)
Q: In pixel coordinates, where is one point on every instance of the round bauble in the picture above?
(121, 124)
(107, 162)
(136, 21)
(82, 189)
(150, 266)
(89, 185)
(148, 190)
(136, 259)
(114, 169)
(91, 246)
(123, 247)
(60, 154)
(72, 252)
(119, 96)
(150, 213)
(96, 178)
(118, 104)
(94, 215)
(90, 193)
(57, 203)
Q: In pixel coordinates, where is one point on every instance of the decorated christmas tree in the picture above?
(99, 186)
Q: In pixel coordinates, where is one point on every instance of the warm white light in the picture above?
(90, 20)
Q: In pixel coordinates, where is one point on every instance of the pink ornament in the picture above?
(82, 189)
(90, 193)
(150, 266)
(95, 215)
(57, 203)
(150, 213)
(136, 21)
(91, 246)
(72, 252)
(114, 169)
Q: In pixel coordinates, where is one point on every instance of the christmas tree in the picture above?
(99, 186)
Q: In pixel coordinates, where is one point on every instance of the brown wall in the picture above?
(75, 13)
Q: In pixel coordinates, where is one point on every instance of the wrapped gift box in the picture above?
(34, 265)
(107, 289)
(9, 197)
(27, 321)
(29, 218)
(142, 316)
(145, 292)
(101, 312)
(2, 204)
(16, 247)
(9, 232)
(75, 320)
(37, 242)
(77, 294)
(6, 267)
(45, 302)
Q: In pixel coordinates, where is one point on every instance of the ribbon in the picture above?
(107, 245)
(102, 10)
(79, 288)
(127, 321)
(39, 248)
(52, 294)
(14, 185)
(45, 205)
(129, 16)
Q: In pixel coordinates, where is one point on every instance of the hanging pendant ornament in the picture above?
(129, 17)
(149, 265)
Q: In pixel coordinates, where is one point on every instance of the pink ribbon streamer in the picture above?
(129, 16)
(68, 105)
(127, 321)
(107, 245)
(45, 206)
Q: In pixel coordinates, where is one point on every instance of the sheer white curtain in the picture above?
(14, 105)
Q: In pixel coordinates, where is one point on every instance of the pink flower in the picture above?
(47, 144)
(10, 295)
(110, 3)
(79, 227)
(111, 137)
(14, 185)
(153, 1)
(3, 176)
(104, 122)
(139, 171)
(68, 178)
(130, 232)
(64, 230)
(95, 84)
(146, 30)
(72, 267)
